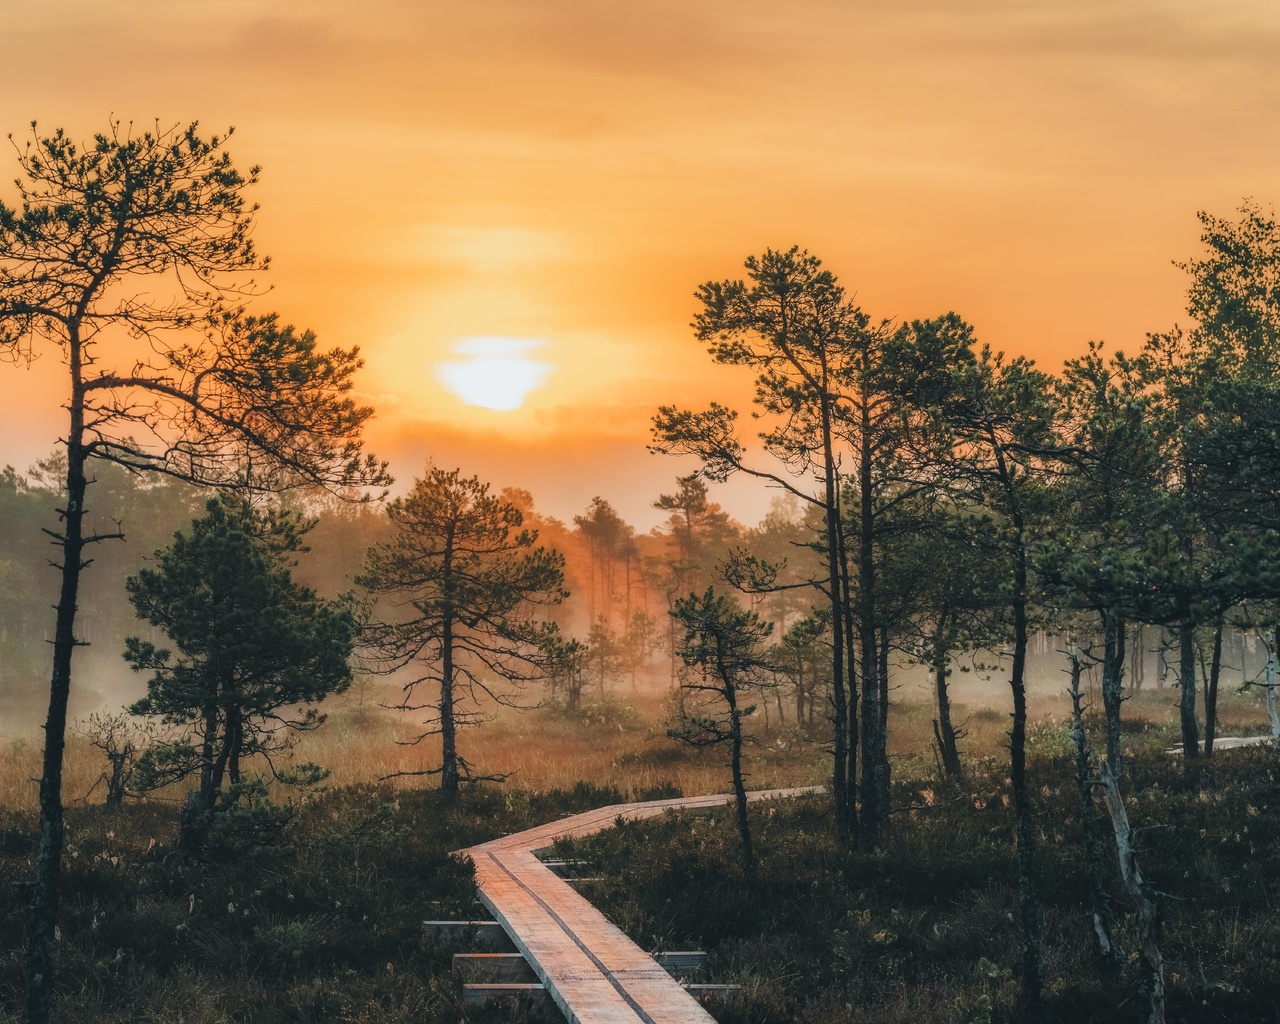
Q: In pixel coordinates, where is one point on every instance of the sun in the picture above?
(494, 373)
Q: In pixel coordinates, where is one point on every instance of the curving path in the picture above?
(595, 974)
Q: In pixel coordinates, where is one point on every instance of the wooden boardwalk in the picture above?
(594, 973)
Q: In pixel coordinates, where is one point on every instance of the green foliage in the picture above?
(463, 578)
(255, 651)
(324, 926)
(921, 930)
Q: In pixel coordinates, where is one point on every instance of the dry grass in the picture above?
(619, 744)
(622, 744)
(326, 925)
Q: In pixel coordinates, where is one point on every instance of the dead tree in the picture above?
(1148, 913)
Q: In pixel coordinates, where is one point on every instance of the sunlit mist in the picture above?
(494, 373)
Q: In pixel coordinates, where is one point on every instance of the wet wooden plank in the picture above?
(722, 992)
(685, 964)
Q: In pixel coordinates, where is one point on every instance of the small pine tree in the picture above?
(465, 577)
(255, 652)
(721, 650)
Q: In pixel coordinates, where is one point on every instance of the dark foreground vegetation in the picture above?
(316, 916)
(922, 930)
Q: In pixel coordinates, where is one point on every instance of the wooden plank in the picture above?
(725, 992)
(477, 994)
(494, 967)
(1228, 743)
(469, 935)
(590, 969)
(563, 868)
(684, 964)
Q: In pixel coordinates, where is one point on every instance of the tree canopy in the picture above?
(253, 651)
(460, 582)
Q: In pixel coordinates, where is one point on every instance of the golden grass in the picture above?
(538, 750)
(625, 746)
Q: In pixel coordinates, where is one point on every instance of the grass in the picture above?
(923, 930)
(324, 924)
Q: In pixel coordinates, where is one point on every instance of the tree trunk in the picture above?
(44, 905)
(840, 709)
(883, 768)
(873, 812)
(235, 744)
(1028, 894)
(1187, 680)
(1113, 684)
(944, 732)
(852, 735)
(1211, 690)
(449, 774)
(1271, 695)
(1137, 660)
(1148, 917)
(671, 635)
(116, 783)
(739, 785)
(1102, 944)
(207, 744)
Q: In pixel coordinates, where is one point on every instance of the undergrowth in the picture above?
(923, 930)
(324, 923)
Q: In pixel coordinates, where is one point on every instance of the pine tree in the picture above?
(459, 584)
(253, 653)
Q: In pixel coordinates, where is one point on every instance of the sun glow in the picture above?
(494, 373)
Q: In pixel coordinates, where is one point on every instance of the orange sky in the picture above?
(566, 172)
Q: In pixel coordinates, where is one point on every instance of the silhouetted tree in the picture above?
(1107, 551)
(610, 540)
(565, 664)
(723, 651)
(803, 655)
(942, 576)
(638, 643)
(254, 652)
(605, 651)
(125, 742)
(1219, 390)
(462, 578)
(127, 256)
(792, 325)
(993, 419)
(699, 532)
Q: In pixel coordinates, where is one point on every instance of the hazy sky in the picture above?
(547, 182)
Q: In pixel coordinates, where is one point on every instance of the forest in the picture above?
(1020, 624)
